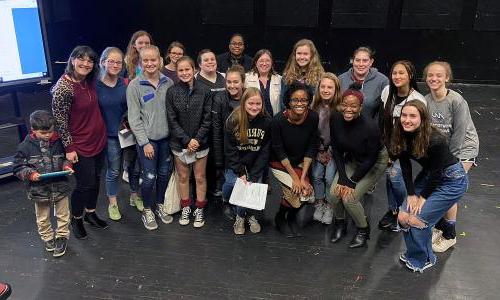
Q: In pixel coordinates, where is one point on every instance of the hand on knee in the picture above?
(403, 219)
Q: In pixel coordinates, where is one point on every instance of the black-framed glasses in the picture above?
(299, 100)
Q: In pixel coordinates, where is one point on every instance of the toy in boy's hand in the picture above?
(53, 174)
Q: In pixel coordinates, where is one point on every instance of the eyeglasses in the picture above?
(237, 44)
(114, 62)
(299, 100)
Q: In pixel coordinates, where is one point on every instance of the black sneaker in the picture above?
(389, 222)
(50, 245)
(94, 220)
(61, 243)
(78, 229)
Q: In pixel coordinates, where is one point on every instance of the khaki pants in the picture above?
(355, 208)
(42, 210)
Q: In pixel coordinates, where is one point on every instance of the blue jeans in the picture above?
(114, 154)
(418, 240)
(155, 172)
(395, 186)
(322, 178)
(227, 188)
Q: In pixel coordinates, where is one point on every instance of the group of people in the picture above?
(326, 139)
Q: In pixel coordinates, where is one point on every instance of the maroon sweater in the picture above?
(78, 117)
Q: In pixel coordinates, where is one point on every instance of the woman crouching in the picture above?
(439, 185)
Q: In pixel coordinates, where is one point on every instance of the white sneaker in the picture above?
(199, 220)
(319, 210)
(442, 244)
(327, 214)
(436, 234)
(186, 211)
(254, 225)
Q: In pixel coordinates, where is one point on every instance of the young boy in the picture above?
(42, 152)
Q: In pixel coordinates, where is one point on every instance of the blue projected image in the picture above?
(29, 40)
(23, 51)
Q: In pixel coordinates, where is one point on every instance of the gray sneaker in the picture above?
(254, 225)
(239, 226)
(165, 218)
(327, 217)
(319, 210)
(186, 211)
(148, 218)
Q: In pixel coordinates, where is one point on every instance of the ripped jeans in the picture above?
(418, 240)
(155, 172)
(395, 186)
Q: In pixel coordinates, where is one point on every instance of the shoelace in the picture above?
(239, 222)
(252, 220)
(150, 216)
(198, 214)
(185, 213)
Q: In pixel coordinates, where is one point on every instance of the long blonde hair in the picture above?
(311, 73)
(239, 117)
(132, 55)
(334, 102)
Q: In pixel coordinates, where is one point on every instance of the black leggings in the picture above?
(88, 178)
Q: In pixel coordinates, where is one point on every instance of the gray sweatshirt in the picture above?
(452, 117)
(146, 109)
(372, 88)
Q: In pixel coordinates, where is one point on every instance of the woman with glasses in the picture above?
(174, 52)
(235, 56)
(295, 143)
(83, 133)
(263, 77)
(111, 92)
(360, 159)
